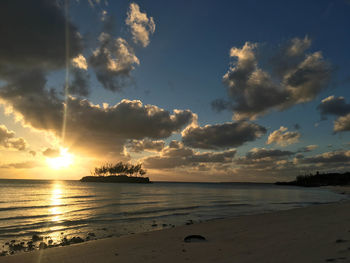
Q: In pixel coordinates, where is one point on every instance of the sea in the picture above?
(58, 209)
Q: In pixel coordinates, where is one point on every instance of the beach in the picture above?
(319, 233)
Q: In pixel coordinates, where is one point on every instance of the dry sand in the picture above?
(319, 233)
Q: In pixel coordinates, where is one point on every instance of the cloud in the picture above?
(308, 148)
(297, 46)
(178, 155)
(342, 123)
(80, 83)
(33, 153)
(260, 161)
(51, 153)
(90, 127)
(221, 136)
(336, 106)
(333, 106)
(26, 94)
(277, 163)
(113, 62)
(8, 139)
(296, 77)
(283, 137)
(33, 46)
(262, 155)
(21, 165)
(146, 145)
(140, 24)
(80, 62)
(33, 35)
(327, 159)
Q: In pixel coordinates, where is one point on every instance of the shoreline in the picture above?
(317, 233)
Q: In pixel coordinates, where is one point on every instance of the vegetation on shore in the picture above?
(117, 173)
(118, 169)
(320, 179)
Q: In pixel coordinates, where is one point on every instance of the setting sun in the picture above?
(64, 160)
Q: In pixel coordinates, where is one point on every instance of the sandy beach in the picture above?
(319, 233)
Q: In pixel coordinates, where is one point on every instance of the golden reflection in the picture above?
(56, 201)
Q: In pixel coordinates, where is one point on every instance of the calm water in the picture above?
(70, 208)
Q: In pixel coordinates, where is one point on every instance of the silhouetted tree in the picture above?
(118, 169)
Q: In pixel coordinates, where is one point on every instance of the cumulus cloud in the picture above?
(146, 145)
(297, 77)
(90, 126)
(176, 154)
(80, 62)
(140, 24)
(336, 106)
(283, 137)
(8, 139)
(221, 136)
(114, 59)
(113, 62)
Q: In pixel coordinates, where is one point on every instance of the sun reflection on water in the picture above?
(56, 201)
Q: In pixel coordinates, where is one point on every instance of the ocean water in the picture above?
(55, 209)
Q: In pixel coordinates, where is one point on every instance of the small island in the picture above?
(319, 179)
(118, 173)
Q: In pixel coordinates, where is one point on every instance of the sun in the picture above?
(64, 160)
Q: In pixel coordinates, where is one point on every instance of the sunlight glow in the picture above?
(64, 160)
(56, 202)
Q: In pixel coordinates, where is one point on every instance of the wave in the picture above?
(78, 196)
(299, 203)
(29, 207)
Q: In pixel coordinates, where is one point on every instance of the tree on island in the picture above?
(118, 169)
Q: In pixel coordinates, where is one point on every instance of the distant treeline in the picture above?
(119, 169)
(320, 179)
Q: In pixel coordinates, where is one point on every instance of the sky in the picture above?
(229, 91)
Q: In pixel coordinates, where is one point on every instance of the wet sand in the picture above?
(319, 233)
